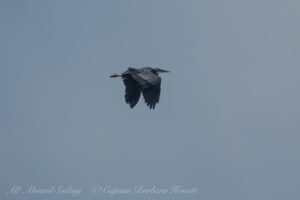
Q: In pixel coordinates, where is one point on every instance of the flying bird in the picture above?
(143, 80)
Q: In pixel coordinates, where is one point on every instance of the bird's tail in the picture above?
(114, 76)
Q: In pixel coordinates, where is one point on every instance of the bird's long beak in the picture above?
(162, 70)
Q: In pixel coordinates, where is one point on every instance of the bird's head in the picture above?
(160, 70)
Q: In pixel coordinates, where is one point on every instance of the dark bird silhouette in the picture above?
(143, 80)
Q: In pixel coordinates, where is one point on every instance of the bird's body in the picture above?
(143, 80)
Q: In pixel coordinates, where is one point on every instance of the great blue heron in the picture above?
(145, 80)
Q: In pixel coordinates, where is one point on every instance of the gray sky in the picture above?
(228, 118)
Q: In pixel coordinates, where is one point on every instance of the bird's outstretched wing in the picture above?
(151, 94)
(132, 91)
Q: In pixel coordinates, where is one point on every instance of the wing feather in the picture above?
(132, 91)
(151, 95)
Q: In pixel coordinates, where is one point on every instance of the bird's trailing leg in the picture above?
(114, 76)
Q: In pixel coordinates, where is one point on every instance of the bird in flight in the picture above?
(143, 80)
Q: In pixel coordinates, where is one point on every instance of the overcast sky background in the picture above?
(228, 117)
